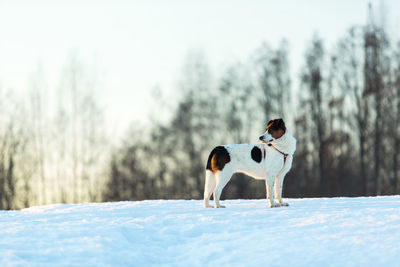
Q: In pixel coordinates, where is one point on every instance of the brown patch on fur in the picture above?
(274, 125)
(219, 156)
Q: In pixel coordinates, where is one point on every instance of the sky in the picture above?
(135, 46)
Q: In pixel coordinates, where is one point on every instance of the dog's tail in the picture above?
(209, 187)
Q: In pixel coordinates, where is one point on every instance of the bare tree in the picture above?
(312, 81)
(375, 44)
(39, 122)
(13, 139)
(80, 134)
(395, 129)
(350, 78)
(236, 102)
(273, 80)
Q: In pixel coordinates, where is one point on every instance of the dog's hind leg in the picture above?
(209, 187)
(223, 178)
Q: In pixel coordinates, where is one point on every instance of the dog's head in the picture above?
(275, 129)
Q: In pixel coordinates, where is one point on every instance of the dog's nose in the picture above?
(262, 137)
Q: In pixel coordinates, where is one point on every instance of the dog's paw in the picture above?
(220, 206)
(282, 204)
(274, 205)
(208, 206)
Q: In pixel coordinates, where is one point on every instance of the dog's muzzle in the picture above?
(262, 139)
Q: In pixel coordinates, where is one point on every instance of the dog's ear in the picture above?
(269, 124)
(280, 124)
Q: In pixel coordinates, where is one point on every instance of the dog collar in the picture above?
(284, 154)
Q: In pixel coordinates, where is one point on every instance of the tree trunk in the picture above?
(362, 164)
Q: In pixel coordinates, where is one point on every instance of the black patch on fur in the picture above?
(219, 156)
(256, 154)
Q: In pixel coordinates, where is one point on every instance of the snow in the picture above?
(310, 232)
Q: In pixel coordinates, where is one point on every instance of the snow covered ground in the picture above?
(310, 232)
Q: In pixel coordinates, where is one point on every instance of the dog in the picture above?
(270, 161)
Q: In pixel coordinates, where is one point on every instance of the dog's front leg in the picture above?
(278, 189)
(269, 182)
(279, 181)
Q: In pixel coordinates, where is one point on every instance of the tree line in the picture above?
(53, 157)
(345, 116)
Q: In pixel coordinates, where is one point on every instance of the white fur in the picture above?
(272, 168)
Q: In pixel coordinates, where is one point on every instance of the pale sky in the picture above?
(136, 45)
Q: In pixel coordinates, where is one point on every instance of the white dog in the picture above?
(269, 161)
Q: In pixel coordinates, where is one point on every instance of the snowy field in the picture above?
(310, 232)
